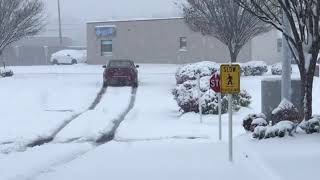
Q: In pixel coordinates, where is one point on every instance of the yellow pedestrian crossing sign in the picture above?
(230, 78)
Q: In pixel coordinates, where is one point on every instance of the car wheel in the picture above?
(74, 61)
(105, 84)
(55, 62)
(135, 84)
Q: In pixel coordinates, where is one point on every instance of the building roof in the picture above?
(135, 19)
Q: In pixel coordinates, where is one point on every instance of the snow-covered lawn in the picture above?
(36, 101)
(156, 115)
(155, 140)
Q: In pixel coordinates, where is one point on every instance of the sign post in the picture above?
(230, 84)
(216, 87)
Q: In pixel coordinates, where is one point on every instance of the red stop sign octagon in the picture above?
(215, 83)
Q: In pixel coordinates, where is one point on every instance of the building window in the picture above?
(183, 43)
(106, 31)
(279, 45)
(106, 47)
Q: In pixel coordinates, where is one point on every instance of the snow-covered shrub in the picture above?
(210, 103)
(251, 121)
(311, 126)
(243, 99)
(286, 111)
(186, 95)
(276, 69)
(281, 129)
(6, 72)
(190, 71)
(254, 68)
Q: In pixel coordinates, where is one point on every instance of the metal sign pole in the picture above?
(230, 84)
(220, 123)
(199, 98)
(230, 128)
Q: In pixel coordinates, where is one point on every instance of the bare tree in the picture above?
(18, 19)
(303, 38)
(224, 20)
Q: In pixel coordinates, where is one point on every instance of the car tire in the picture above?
(105, 84)
(74, 61)
(55, 62)
(135, 84)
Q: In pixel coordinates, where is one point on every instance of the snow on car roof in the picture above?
(71, 52)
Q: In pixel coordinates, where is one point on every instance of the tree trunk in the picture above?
(303, 91)
(233, 54)
(233, 57)
(308, 97)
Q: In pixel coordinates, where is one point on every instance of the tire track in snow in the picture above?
(103, 139)
(93, 105)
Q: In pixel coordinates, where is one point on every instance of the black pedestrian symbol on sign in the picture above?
(230, 80)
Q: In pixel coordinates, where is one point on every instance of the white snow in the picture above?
(259, 122)
(92, 124)
(155, 141)
(284, 104)
(34, 106)
(155, 114)
(27, 165)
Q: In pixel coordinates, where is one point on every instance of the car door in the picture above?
(62, 58)
(68, 59)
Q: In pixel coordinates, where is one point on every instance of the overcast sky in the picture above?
(76, 12)
(106, 9)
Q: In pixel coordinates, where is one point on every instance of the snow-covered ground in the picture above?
(36, 101)
(94, 123)
(155, 140)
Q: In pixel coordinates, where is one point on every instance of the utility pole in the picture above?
(60, 31)
(286, 61)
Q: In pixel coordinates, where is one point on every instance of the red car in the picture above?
(120, 73)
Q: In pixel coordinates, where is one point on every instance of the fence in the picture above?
(31, 55)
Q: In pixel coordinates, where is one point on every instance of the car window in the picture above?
(120, 64)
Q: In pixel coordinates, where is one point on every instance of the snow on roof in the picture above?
(106, 26)
(135, 19)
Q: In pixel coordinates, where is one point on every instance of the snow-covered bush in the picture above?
(311, 126)
(190, 71)
(186, 95)
(276, 69)
(251, 121)
(6, 72)
(243, 99)
(281, 129)
(254, 68)
(210, 103)
(286, 111)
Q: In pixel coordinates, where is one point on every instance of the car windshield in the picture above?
(120, 64)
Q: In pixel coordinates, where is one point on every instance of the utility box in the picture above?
(271, 95)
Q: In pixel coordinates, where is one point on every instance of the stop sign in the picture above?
(215, 83)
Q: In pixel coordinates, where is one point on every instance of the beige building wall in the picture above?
(266, 48)
(158, 41)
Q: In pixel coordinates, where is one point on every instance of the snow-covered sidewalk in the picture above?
(156, 160)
